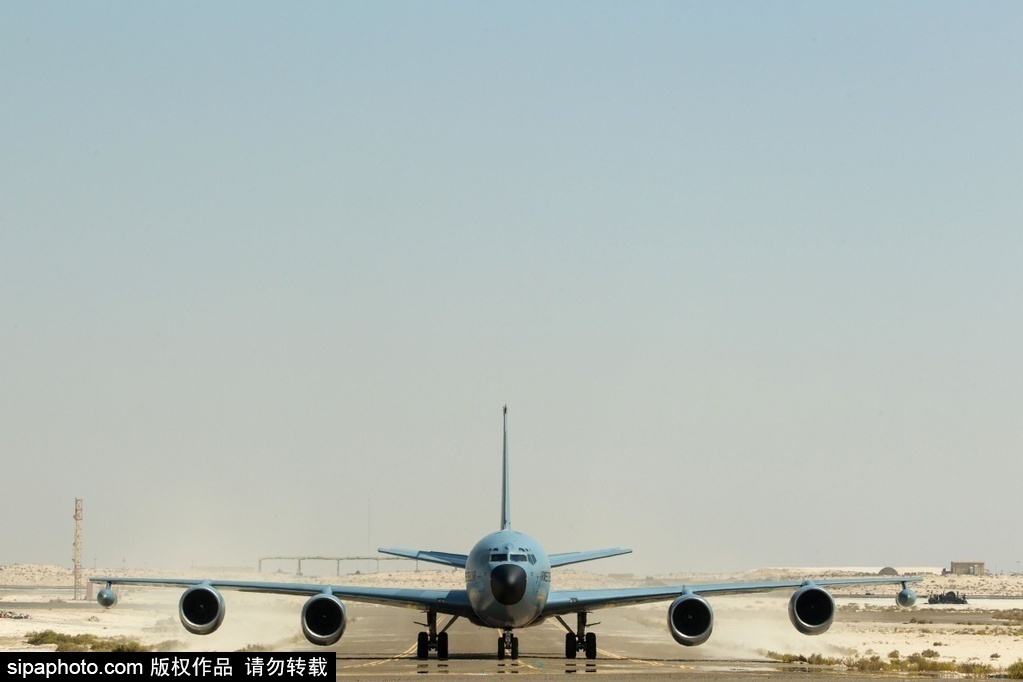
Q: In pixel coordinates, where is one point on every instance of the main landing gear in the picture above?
(507, 644)
(579, 640)
(433, 640)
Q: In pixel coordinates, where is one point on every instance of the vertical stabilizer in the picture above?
(505, 498)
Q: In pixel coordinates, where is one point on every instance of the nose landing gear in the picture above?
(507, 644)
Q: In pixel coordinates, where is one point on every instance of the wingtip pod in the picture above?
(106, 597)
(906, 597)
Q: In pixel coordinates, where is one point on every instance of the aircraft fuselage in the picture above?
(508, 578)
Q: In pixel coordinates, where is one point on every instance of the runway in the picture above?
(380, 644)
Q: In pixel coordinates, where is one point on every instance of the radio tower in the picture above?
(76, 555)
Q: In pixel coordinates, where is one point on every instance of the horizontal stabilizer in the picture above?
(445, 558)
(575, 557)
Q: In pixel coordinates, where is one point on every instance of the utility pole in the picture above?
(76, 555)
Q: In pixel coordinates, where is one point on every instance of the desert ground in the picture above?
(746, 627)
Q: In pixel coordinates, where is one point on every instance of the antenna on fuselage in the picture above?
(505, 498)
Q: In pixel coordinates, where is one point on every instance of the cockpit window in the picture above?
(518, 557)
(498, 557)
(532, 558)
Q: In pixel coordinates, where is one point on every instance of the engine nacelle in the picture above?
(106, 598)
(690, 620)
(323, 619)
(201, 609)
(811, 609)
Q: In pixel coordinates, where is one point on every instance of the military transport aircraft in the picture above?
(507, 586)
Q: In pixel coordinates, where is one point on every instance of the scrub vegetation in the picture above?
(1011, 615)
(65, 642)
(922, 662)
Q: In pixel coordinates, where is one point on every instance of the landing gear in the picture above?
(507, 643)
(437, 641)
(579, 640)
(442, 645)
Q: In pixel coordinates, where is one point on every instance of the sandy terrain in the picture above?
(745, 626)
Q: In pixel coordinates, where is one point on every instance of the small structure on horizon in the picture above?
(966, 568)
(337, 559)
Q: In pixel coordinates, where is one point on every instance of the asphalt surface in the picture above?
(379, 644)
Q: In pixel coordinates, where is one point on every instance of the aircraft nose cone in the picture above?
(508, 583)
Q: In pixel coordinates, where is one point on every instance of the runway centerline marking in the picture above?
(626, 658)
(403, 654)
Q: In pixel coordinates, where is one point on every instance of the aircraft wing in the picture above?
(565, 558)
(445, 558)
(572, 601)
(452, 602)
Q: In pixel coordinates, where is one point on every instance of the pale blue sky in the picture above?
(747, 274)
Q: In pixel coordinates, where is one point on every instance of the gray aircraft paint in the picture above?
(479, 573)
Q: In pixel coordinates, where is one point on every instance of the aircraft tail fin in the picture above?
(505, 498)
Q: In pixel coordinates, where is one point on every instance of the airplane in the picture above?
(507, 587)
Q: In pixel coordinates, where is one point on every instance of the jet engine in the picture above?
(201, 609)
(811, 609)
(323, 619)
(690, 620)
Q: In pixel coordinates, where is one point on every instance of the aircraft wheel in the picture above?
(591, 645)
(442, 646)
(423, 646)
(515, 648)
(500, 648)
(569, 645)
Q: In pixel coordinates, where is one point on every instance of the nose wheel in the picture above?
(508, 644)
(579, 640)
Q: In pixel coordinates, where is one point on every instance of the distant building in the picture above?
(967, 568)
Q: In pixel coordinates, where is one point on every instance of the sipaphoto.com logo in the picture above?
(63, 667)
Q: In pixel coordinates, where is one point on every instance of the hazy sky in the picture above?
(748, 275)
